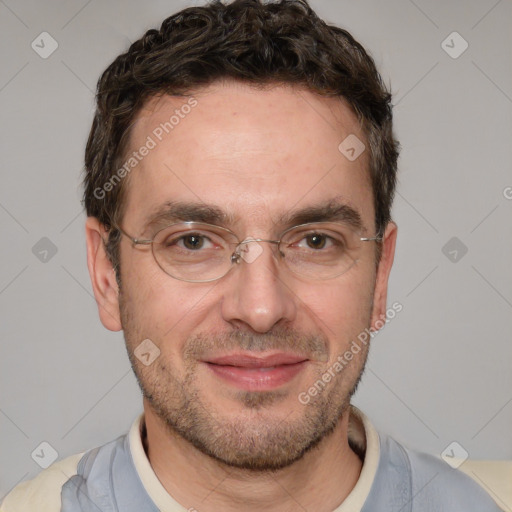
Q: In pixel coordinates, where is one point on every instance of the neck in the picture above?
(320, 481)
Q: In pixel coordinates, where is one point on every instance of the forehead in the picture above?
(253, 153)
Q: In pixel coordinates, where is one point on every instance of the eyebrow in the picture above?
(334, 210)
(179, 211)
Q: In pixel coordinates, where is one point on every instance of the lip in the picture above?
(257, 373)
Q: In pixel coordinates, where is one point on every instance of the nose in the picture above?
(256, 295)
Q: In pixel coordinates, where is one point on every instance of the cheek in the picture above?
(147, 288)
(341, 309)
(160, 308)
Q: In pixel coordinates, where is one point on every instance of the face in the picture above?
(235, 354)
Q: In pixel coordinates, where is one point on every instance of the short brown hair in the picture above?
(252, 41)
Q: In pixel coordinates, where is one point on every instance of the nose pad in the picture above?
(249, 250)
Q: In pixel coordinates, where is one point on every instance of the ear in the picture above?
(103, 278)
(383, 271)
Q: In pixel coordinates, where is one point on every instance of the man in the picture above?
(240, 173)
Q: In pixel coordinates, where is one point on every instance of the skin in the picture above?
(255, 154)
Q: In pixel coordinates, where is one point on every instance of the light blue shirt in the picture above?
(405, 481)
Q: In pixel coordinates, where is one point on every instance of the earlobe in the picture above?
(103, 278)
(382, 278)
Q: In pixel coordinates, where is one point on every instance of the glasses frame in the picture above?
(236, 256)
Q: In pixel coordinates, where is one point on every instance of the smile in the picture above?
(249, 373)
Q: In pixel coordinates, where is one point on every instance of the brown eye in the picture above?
(316, 241)
(193, 242)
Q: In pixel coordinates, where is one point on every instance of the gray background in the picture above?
(439, 372)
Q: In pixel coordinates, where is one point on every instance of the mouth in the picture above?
(257, 373)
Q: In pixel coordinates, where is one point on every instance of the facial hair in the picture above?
(257, 440)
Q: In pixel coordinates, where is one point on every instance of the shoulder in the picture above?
(43, 493)
(106, 473)
(432, 483)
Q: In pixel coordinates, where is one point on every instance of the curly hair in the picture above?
(252, 41)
